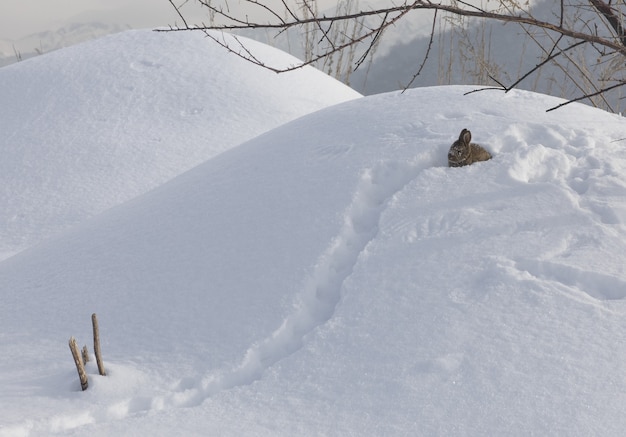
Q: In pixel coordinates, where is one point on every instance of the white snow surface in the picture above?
(88, 127)
(333, 277)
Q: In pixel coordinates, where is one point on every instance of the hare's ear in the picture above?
(466, 136)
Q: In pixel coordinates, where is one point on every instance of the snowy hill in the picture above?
(94, 125)
(334, 277)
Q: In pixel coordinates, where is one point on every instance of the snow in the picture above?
(97, 124)
(332, 276)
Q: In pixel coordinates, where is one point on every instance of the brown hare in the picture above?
(462, 152)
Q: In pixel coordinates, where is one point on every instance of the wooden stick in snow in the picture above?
(96, 344)
(85, 354)
(82, 375)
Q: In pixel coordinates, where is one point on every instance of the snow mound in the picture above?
(335, 277)
(92, 126)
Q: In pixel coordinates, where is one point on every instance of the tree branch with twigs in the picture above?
(601, 28)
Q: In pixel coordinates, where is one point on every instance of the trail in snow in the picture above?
(315, 305)
(322, 290)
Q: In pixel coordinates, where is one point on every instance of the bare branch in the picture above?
(403, 10)
(270, 10)
(314, 59)
(544, 62)
(288, 9)
(246, 55)
(498, 82)
(325, 36)
(586, 96)
(430, 44)
(491, 88)
(611, 17)
(179, 13)
(373, 43)
(328, 37)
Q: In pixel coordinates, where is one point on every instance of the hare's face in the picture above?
(458, 152)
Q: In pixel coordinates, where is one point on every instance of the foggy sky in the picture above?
(19, 18)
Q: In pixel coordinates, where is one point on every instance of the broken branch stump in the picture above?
(82, 375)
(85, 354)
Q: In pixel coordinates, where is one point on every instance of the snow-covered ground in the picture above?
(333, 276)
(93, 125)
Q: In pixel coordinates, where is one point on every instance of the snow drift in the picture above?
(334, 277)
(123, 114)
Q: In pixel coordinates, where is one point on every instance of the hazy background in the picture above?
(21, 18)
(33, 27)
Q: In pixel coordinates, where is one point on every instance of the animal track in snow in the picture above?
(590, 178)
(145, 65)
(315, 306)
(322, 291)
(333, 151)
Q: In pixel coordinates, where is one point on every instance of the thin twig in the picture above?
(430, 44)
(615, 22)
(416, 5)
(372, 44)
(586, 96)
(179, 13)
(542, 63)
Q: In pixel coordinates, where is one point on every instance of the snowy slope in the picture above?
(88, 127)
(334, 277)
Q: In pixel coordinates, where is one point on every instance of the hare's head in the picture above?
(460, 150)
